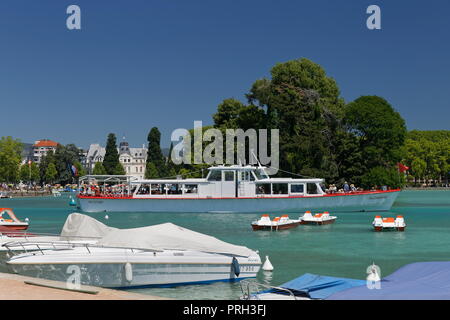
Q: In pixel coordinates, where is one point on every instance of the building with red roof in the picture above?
(42, 147)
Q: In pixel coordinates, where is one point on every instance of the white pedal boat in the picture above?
(317, 219)
(390, 223)
(279, 223)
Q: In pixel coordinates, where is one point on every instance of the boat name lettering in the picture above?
(95, 201)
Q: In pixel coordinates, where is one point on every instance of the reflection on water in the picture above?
(267, 277)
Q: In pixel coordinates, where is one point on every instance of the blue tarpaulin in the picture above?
(319, 287)
(416, 281)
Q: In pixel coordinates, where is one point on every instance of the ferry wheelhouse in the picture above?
(245, 189)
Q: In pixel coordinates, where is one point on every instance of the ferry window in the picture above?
(311, 188)
(228, 175)
(191, 188)
(246, 176)
(215, 175)
(263, 188)
(297, 188)
(260, 174)
(280, 188)
(144, 189)
(158, 189)
(174, 189)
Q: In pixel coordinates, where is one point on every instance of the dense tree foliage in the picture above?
(10, 158)
(99, 169)
(111, 160)
(156, 163)
(65, 157)
(377, 133)
(29, 173)
(319, 134)
(428, 156)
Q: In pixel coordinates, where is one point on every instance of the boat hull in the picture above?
(286, 226)
(13, 227)
(112, 275)
(367, 201)
(379, 229)
(131, 268)
(330, 221)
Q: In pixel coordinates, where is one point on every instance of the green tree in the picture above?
(99, 169)
(382, 176)
(43, 165)
(119, 170)
(65, 157)
(24, 173)
(111, 159)
(10, 157)
(155, 155)
(151, 172)
(305, 104)
(80, 169)
(379, 132)
(427, 153)
(29, 172)
(227, 114)
(51, 173)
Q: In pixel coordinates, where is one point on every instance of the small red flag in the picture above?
(402, 167)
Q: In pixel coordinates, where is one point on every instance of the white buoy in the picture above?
(267, 266)
(106, 217)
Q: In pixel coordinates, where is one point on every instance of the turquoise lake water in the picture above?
(344, 249)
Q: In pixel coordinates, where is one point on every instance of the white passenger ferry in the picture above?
(245, 189)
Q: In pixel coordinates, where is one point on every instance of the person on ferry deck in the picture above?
(346, 187)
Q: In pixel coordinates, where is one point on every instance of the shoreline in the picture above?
(17, 287)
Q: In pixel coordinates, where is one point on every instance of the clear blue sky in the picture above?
(142, 63)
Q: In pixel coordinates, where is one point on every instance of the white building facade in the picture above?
(133, 160)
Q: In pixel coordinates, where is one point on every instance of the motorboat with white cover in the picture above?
(159, 255)
(78, 229)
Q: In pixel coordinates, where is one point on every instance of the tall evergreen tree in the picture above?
(111, 159)
(155, 156)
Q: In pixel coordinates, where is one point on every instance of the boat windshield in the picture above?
(261, 174)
